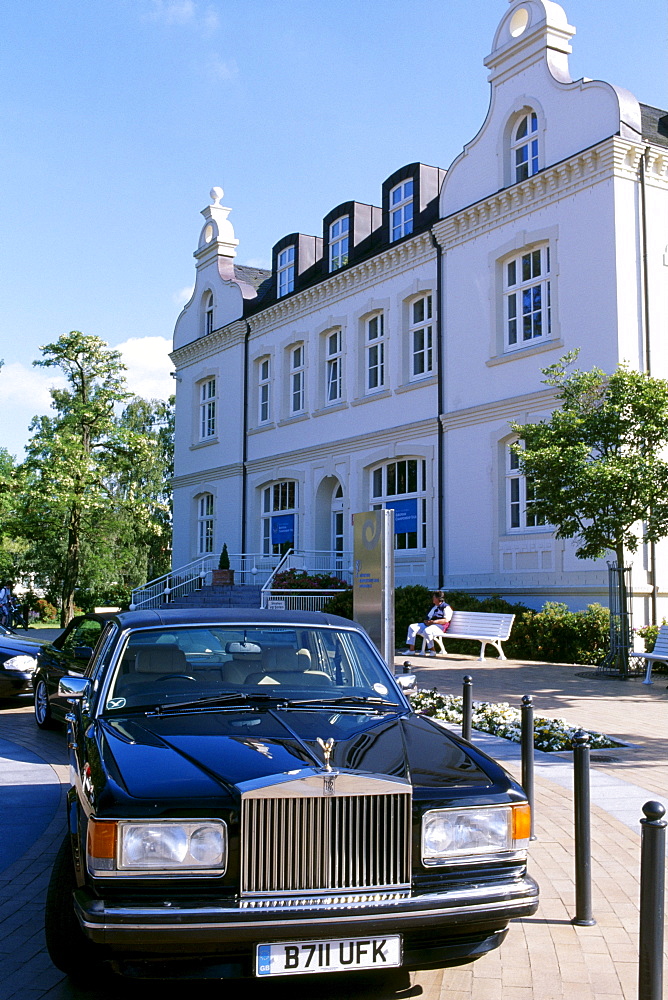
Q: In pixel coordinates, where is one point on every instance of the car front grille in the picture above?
(314, 843)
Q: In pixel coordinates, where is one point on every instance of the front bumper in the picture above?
(436, 926)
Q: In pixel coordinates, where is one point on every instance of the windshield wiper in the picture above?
(348, 699)
(218, 699)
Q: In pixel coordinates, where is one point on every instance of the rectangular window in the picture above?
(401, 210)
(521, 495)
(297, 375)
(264, 386)
(375, 353)
(338, 243)
(286, 271)
(205, 524)
(207, 409)
(421, 338)
(333, 374)
(528, 311)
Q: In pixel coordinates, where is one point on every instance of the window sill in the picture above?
(525, 352)
(332, 408)
(369, 398)
(293, 420)
(417, 383)
(262, 427)
(204, 444)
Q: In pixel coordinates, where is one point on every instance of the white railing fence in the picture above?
(250, 568)
(312, 562)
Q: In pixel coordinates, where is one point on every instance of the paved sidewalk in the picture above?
(544, 957)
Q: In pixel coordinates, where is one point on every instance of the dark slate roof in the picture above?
(254, 276)
(654, 125)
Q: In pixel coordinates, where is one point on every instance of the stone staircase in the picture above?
(235, 596)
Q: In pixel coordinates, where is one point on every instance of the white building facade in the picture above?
(381, 363)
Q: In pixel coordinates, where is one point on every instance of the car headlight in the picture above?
(22, 663)
(450, 835)
(188, 847)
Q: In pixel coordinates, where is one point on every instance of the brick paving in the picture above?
(544, 957)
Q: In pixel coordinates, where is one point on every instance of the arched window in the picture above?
(279, 517)
(205, 524)
(524, 146)
(401, 209)
(208, 313)
(402, 486)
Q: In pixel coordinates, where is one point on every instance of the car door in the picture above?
(64, 657)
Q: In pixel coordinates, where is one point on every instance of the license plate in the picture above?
(294, 957)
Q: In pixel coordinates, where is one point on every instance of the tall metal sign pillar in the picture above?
(373, 578)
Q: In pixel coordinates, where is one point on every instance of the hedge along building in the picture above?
(380, 364)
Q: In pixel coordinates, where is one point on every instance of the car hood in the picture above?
(10, 646)
(156, 756)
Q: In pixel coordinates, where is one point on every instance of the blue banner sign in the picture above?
(405, 516)
(283, 529)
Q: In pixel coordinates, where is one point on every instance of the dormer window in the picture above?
(208, 314)
(401, 210)
(285, 275)
(338, 242)
(524, 146)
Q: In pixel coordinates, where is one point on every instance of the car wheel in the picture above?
(43, 716)
(68, 947)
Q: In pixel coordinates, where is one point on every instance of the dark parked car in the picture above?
(18, 658)
(69, 653)
(253, 795)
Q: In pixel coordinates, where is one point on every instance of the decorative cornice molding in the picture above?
(501, 409)
(344, 446)
(341, 284)
(614, 157)
(206, 475)
(207, 347)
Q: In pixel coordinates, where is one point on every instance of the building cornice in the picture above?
(209, 346)
(614, 157)
(341, 284)
(501, 409)
(345, 446)
(206, 476)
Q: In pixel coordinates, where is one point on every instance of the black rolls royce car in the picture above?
(253, 796)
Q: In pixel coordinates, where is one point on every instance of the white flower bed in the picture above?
(502, 720)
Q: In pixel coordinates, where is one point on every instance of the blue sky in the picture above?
(118, 116)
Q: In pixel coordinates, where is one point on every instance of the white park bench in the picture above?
(658, 655)
(482, 626)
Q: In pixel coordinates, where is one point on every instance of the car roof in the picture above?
(226, 616)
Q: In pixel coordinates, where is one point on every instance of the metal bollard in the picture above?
(652, 901)
(467, 707)
(582, 820)
(527, 753)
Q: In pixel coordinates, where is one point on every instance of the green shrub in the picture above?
(649, 634)
(299, 579)
(554, 634)
(557, 635)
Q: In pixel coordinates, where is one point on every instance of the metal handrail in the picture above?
(251, 567)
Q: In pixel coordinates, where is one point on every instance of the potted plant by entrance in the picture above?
(223, 575)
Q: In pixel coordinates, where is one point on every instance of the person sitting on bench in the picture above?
(437, 621)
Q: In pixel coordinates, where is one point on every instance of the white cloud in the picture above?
(218, 69)
(149, 367)
(24, 393)
(180, 298)
(24, 390)
(184, 13)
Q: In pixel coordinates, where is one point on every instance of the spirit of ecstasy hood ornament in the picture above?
(327, 748)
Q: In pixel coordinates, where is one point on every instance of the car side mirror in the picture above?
(73, 688)
(83, 652)
(407, 683)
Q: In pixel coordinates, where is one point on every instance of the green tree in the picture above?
(84, 496)
(596, 467)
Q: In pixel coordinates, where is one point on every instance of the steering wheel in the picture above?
(172, 677)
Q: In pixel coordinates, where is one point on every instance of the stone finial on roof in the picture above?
(218, 232)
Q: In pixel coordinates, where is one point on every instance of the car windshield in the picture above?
(179, 666)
